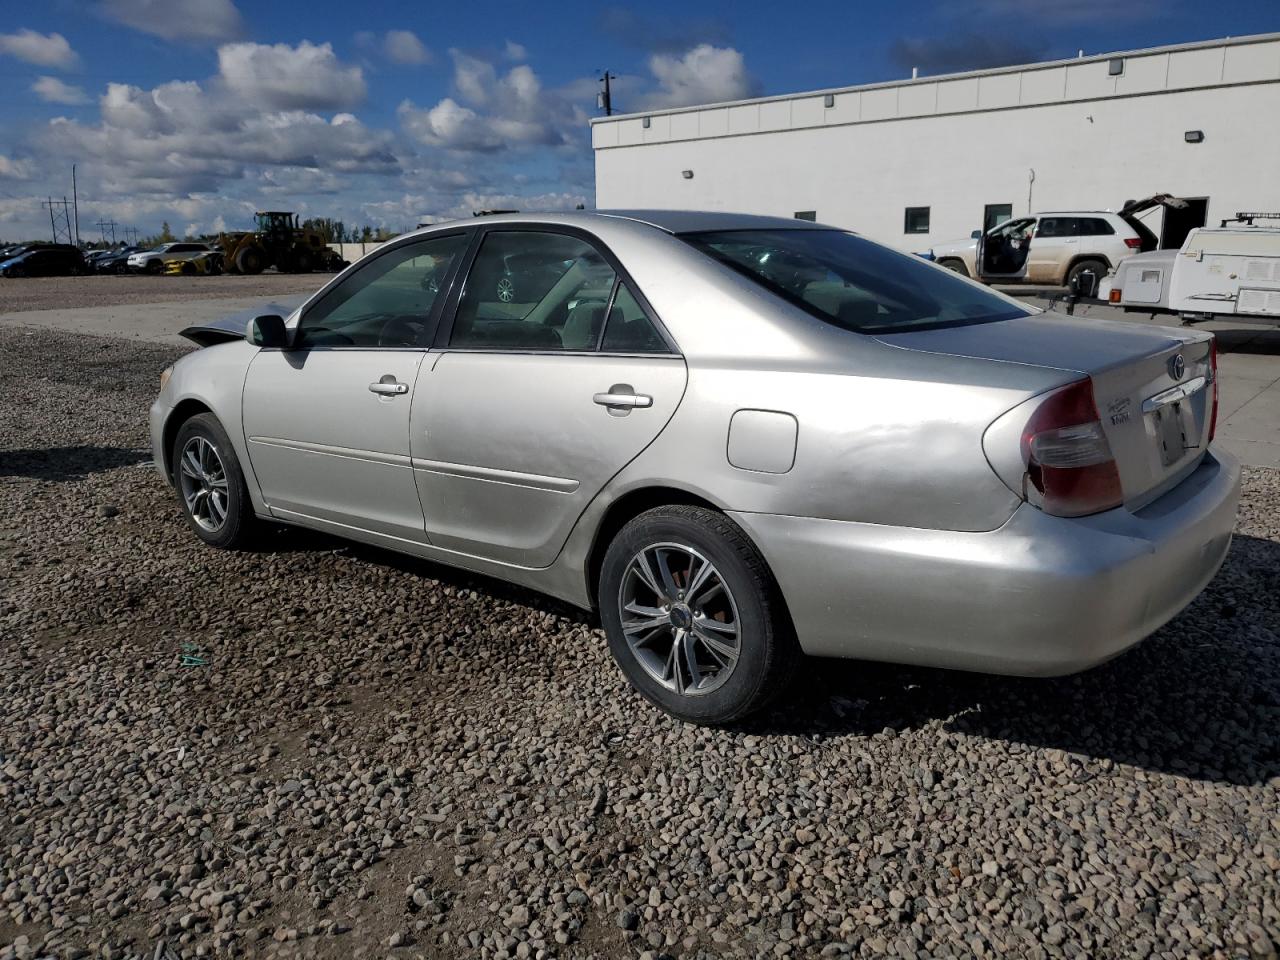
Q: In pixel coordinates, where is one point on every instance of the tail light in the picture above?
(1070, 470)
(1213, 375)
(1133, 243)
(1113, 296)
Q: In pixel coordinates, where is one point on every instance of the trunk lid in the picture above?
(1155, 410)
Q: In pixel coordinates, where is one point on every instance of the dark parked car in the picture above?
(58, 260)
(117, 261)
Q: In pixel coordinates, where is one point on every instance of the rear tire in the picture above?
(1077, 273)
(955, 266)
(712, 655)
(211, 486)
(153, 267)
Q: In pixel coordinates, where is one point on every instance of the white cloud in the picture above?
(308, 76)
(403, 46)
(511, 110)
(515, 52)
(53, 90)
(44, 50)
(201, 21)
(474, 78)
(704, 74)
(181, 139)
(14, 169)
(447, 124)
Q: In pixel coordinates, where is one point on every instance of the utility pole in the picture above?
(103, 226)
(75, 202)
(605, 100)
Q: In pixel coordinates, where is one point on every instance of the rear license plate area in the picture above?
(1170, 432)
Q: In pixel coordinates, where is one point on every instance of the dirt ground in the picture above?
(320, 750)
(54, 293)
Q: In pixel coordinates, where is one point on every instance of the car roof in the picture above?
(671, 221)
(1076, 213)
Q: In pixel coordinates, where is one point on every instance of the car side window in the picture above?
(1095, 227)
(629, 329)
(1057, 227)
(530, 290)
(387, 302)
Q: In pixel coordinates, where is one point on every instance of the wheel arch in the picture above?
(1080, 258)
(625, 509)
(183, 411)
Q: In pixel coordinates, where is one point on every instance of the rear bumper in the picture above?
(1040, 596)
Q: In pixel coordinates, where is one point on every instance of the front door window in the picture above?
(388, 302)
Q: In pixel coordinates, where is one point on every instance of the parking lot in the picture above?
(321, 749)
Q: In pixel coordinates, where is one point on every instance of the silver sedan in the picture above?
(740, 439)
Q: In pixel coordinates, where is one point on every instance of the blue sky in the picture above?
(200, 111)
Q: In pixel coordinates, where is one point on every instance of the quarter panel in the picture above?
(887, 450)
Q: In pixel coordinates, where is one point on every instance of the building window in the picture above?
(994, 214)
(645, 124)
(810, 215)
(829, 100)
(1115, 66)
(916, 220)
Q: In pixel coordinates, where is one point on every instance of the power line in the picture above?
(59, 218)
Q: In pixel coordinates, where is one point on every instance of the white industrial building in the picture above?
(925, 160)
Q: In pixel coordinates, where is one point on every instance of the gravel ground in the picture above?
(56, 293)
(324, 750)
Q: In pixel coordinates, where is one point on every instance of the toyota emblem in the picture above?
(1177, 366)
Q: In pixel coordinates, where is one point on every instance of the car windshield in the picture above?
(853, 283)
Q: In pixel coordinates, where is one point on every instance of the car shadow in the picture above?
(1200, 698)
(66, 464)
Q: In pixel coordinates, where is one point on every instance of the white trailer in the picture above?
(1227, 271)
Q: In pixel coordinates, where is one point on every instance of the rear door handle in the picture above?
(389, 386)
(621, 397)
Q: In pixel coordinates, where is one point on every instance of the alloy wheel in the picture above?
(679, 618)
(203, 480)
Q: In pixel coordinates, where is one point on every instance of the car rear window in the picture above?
(853, 283)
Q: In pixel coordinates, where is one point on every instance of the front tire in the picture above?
(694, 618)
(955, 266)
(210, 484)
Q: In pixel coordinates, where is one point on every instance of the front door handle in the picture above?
(389, 386)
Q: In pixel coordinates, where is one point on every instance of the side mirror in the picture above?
(267, 331)
(976, 235)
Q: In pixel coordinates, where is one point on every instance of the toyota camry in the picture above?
(740, 439)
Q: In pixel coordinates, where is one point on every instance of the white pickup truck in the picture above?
(1227, 271)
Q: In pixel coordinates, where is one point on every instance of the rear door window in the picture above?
(530, 290)
(1057, 227)
(629, 329)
